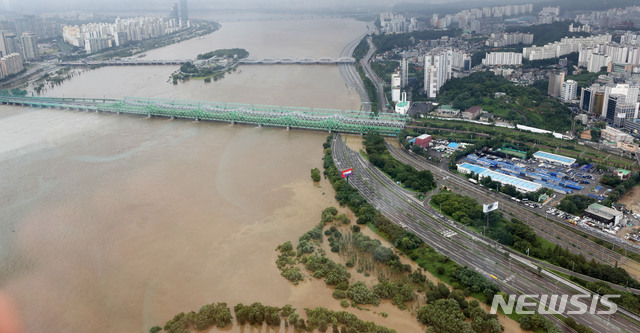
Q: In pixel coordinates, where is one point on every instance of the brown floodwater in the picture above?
(115, 223)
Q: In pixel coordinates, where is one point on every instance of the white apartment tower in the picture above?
(437, 70)
(569, 90)
(395, 87)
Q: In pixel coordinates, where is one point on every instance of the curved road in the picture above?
(350, 74)
(366, 65)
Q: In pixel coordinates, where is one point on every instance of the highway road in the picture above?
(350, 74)
(546, 229)
(377, 82)
(514, 273)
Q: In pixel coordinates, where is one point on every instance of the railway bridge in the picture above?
(358, 122)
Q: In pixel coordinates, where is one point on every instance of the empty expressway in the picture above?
(515, 274)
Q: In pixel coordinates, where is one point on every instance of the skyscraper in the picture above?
(30, 46)
(404, 72)
(437, 70)
(184, 13)
(174, 15)
(395, 87)
(569, 90)
(555, 84)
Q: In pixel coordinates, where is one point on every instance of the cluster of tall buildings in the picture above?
(549, 15)
(21, 36)
(608, 18)
(43, 28)
(94, 37)
(469, 19)
(396, 23)
(567, 90)
(502, 39)
(563, 47)
(26, 46)
(400, 79)
(615, 103)
(439, 67)
(599, 55)
(180, 17)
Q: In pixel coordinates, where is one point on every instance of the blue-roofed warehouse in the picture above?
(554, 159)
(520, 184)
(453, 145)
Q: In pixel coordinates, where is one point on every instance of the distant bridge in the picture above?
(125, 62)
(298, 61)
(358, 122)
(246, 61)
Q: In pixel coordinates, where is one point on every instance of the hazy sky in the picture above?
(89, 5)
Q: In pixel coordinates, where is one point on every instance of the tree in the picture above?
(445, 316)
(315, 174)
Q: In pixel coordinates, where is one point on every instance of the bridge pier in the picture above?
(173, 117)
(233, 122)
(288, 128)
(196, 119)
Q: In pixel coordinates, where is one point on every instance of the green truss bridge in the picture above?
(358, 122)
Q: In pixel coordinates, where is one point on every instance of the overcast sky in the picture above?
(96, 5)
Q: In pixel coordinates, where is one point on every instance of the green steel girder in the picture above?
(292, 117)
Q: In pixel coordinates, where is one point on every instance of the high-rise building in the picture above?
(9, 43)
(591, 98)
(3, 44)
(569, 90)
(597, 61)
(437, 70)
(404, 72)
(30, 46)
(174, 15)
(184, 13)
(555, 84)
(395, 87)
(27, 23)
(628, 92)
(612, 105)
(624, 111)
(11, 64)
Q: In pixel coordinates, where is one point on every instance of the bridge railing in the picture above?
(270, 115)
